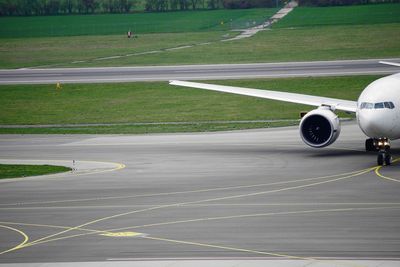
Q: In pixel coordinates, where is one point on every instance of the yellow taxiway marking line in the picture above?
(216, 218)
(253, 215)
(251, 251)
(377, 172)
(184, 192)
(26, 239)
(123, 234)
(226, 248)
(119, 166)
(200, 201)
(49, 238)
(56, 226)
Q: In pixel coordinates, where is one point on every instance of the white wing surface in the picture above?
(345, 105)
(390, 63)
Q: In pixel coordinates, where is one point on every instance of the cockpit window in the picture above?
(379, 105)
(366, 105)
(389, 105)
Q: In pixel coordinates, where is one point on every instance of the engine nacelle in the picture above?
(320, 127)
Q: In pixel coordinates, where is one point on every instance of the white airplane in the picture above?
(377, 111)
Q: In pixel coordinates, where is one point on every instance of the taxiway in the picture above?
(257, 195)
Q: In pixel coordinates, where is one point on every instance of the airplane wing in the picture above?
(345, 105)
(390, 63)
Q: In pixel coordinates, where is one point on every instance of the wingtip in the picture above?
(173, 81)
(390, 63)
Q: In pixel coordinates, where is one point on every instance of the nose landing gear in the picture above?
(383, 146)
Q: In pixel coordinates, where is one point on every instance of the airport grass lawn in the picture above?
(299, 44)
(277, 45)
(158, 102)
(111, 24)
(149, 129)
(14, 171)
(341, 15)
(351, 32)
(17, 53)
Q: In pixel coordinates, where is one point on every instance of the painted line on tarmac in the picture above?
(182, 192)
(114, 232)
(195, 202)
(310, 260)
(67, 163)
(253, 215)
(378, 173)
(227, 248)
(54, 226)
(26, 239)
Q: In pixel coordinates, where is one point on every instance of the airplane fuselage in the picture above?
(378, 108)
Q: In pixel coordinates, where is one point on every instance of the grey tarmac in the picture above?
(196, 72)
(240, 198)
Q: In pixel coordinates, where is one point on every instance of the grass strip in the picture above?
(149, 129)
(298, 44)
(17, 171)
(150, 107)
(341, 15)
(157, 22)
(159, 102)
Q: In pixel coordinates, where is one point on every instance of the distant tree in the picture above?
(108, 6)
(67, 6)
(52, 7)
(214, 4)
(183, 4)
(173, 4)
(89, 5)
(150, 5)
(194, 4)
(126, 5)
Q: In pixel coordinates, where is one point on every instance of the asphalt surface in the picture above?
(197, 72)
(245, 195)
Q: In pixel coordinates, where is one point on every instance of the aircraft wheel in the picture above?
(388, 159)
(381, 157)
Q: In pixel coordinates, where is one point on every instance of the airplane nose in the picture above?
(372, 122)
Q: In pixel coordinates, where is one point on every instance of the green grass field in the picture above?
(14, 171)
(334, 40)
(112, 24)
(300, 44)
(15, 53)
(160, 102)
(342, 15)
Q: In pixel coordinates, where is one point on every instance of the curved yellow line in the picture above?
(377, 172)
(26, 239)
(187, 192)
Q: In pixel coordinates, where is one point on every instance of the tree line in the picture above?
(166, 5)
(56, 7)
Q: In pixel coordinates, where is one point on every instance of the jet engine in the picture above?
(320, 127)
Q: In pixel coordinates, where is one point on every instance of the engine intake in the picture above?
(320, 127)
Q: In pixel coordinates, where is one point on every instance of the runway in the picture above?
(196, 72)
(253, 196)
